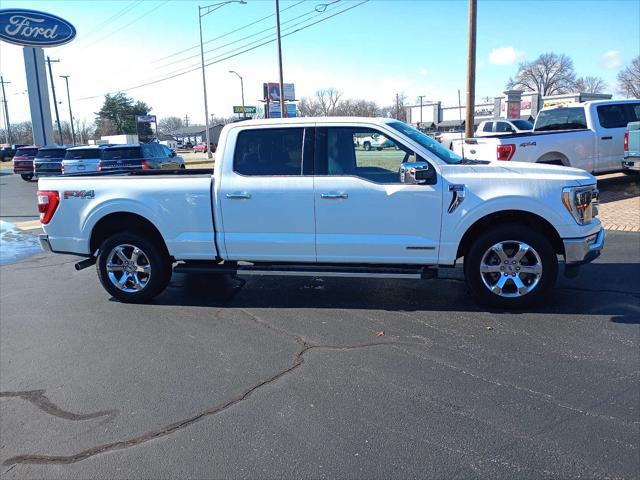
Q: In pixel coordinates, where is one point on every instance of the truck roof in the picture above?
(305, 120)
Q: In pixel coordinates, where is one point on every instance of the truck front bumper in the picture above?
(583, 250)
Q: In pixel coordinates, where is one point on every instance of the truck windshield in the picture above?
(561, 118)
(425, 141)
(82, 154)
(51, 153)
(121, 153)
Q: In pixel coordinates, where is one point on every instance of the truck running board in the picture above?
(315, 270)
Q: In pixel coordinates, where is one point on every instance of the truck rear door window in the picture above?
(51, 153)
(269, 151)
(572, 118)
(617, 116)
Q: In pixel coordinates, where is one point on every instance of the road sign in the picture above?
(247, 109)
(146, 118)
(31, 28)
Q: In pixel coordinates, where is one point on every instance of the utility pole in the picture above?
(211, 114)
(283, 112)
(6, 111)
(421, 96)
(73, 132)
(186, 120)
(471, 70)
(55, 101)
(397, 106)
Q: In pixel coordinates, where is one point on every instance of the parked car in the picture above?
(631, 163)
(584, 135)
(280, 205)
(48, 160)
(148, 156)
(23, 161)
(82, 159)
(202, 147)
(502, 126)
(374, 141)
(8, 151)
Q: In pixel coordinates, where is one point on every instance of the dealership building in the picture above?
(431, 116)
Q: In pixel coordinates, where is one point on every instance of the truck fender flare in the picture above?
(553, 158)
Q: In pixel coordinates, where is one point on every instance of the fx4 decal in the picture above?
(86, 194)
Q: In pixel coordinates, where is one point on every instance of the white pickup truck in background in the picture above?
(300, 197)
(586, 135)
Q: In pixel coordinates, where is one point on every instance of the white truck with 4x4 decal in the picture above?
(586, 135)
(298, 197)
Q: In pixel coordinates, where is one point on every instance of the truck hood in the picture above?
(533, 171)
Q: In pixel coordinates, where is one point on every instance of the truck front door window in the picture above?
(269, 152)
(365, 153)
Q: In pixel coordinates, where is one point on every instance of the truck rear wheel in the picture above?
(511, 266)
(27, 176)
(366, 146)
(132, 268)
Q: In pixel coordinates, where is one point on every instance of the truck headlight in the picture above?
(581, 202)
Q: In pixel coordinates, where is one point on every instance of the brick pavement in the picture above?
(620, 202)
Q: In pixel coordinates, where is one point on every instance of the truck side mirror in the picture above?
(417, 173)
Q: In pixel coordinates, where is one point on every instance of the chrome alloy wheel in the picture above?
(511, 268)
(128, 268)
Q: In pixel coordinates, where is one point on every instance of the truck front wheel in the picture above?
(367, 146)
(132, 268)
(510, 266)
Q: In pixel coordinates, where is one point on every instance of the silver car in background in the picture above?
(82, 159)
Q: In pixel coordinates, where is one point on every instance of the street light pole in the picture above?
(471, 70)
(421, 96)
(241, 91)
(55, 101)
(207, 10)
(283, 112)
(73, 132)
(6, 111)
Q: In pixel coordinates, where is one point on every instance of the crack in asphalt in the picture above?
(298, 361)
(41, 401)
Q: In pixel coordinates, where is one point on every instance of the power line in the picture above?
(225, 34)
(115, 16)
(153, 82)
(238, 40)
(149, 12)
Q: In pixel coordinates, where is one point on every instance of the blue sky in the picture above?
(372, 51)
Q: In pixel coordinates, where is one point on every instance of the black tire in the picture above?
(505, 233)
(158, 261)
(631, 173)
(367, 146)
(26, 176)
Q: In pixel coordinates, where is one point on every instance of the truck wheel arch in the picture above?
(554, 158)
(124, 221)
(510, 216)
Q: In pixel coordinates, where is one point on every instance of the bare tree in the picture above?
(170, 125)
(84, 131)
(549, 74)
(629, 79)
(21, 132)
(590, 85)
(309, 107)
(328, 100)
(357, 108)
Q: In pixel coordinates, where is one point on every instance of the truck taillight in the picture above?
(47, 204)
(145, 165)
(99, 166)
(62, 168)
(626, 141)
(505, 152)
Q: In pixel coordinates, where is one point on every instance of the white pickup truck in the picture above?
(586, 135)
(297, 197)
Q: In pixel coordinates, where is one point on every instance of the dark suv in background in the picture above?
(48, 160)
(23, 161)
(139, 157)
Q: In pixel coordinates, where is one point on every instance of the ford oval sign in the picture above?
(31, 28)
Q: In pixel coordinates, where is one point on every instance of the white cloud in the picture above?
(424, 72)
(505, 56)
(611, 59)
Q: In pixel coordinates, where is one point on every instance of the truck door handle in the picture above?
(334, 196)
(238, 196)
(606, 138)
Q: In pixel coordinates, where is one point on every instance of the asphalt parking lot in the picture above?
(304, 377)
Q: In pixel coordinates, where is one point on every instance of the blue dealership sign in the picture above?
(31, 28)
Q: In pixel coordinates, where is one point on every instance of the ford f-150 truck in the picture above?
(583, 135)
(297, 197)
